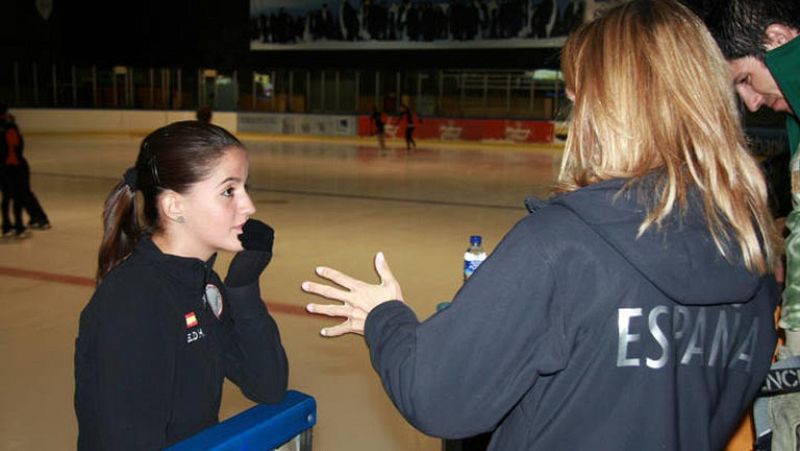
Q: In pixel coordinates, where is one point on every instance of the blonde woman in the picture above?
(633, 311)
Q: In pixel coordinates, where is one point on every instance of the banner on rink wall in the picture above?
(467, 129)
(407, 24)
(297, 124)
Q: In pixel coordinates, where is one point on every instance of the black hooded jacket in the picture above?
(575, 334)
(151, 355)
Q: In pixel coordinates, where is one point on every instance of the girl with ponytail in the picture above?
(162, 330)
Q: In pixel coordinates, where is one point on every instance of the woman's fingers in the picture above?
(387, 278)
(325, 291)
(330, 310)
(339, 329)
(382, 267)
(336, 277)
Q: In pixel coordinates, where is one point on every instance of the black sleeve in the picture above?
(255, 359)
(124, 375)
(461, 371)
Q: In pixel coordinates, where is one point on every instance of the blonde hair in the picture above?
(652, 94)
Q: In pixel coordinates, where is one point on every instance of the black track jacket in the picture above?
(151, 355)
(576, 335)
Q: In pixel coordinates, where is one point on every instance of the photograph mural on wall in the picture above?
(410, 24)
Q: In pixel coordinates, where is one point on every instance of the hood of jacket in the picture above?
(680, 257)
(784, 64)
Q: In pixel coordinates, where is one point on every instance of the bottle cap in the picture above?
(475, 240)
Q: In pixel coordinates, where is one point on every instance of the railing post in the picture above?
(377, 87)
(336, 91)
(35, 85)
(508, 94)
(55, 85)
(16, 83)
(74, 87)
(254, 92)
(94, 86)
(152, 73)
(289, 102)
(235, 90)
(274, 82)
(485, 90)
(179, 87)
(358, 91)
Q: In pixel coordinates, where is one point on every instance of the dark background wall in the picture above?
(200, 33)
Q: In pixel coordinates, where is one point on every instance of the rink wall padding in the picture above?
(297, 124)
(443, 129)
(40, 120)
(49, 120)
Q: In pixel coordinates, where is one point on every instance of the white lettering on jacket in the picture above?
(194, 335)
(701, 336)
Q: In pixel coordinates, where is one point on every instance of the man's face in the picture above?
(752, 78)
(756, 86)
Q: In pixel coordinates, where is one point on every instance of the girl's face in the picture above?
(216, 208)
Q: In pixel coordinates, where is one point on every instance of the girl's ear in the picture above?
(778, 34)
(172, 206)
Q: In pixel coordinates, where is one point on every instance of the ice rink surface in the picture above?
(331, 202)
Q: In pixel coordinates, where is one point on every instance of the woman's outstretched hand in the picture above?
(358, 298)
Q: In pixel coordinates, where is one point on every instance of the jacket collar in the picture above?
(192, 272)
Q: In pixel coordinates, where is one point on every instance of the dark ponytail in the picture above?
(121, 229)
(172, 158)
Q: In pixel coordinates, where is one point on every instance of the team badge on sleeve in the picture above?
(214, 299)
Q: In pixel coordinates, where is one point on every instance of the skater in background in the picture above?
(204, 114)
(665, 335)
(162, 330)
(410, 119)
(377, 121)
(17, 193)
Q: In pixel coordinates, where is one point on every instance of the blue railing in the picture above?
(263, 427)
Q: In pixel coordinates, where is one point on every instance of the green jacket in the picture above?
(784, 64)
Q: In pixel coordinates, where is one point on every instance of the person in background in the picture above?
(377, 121)
(204, 114)
(411, 119)
(162, 330)
(5, 194)
(17, 193)
(759, 39)
(633, 310)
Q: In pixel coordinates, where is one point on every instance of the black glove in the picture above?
(247, 265)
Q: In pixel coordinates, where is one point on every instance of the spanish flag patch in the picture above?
(191, 320)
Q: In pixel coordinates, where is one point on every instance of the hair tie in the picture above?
(131, 179)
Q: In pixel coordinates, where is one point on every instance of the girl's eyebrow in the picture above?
(230, 179)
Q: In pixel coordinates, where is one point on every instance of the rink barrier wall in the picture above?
(446, 129)
(298, 124)
(262, 427)
(39, 120)
(36, 120)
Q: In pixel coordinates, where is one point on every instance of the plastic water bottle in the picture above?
(474, 256)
